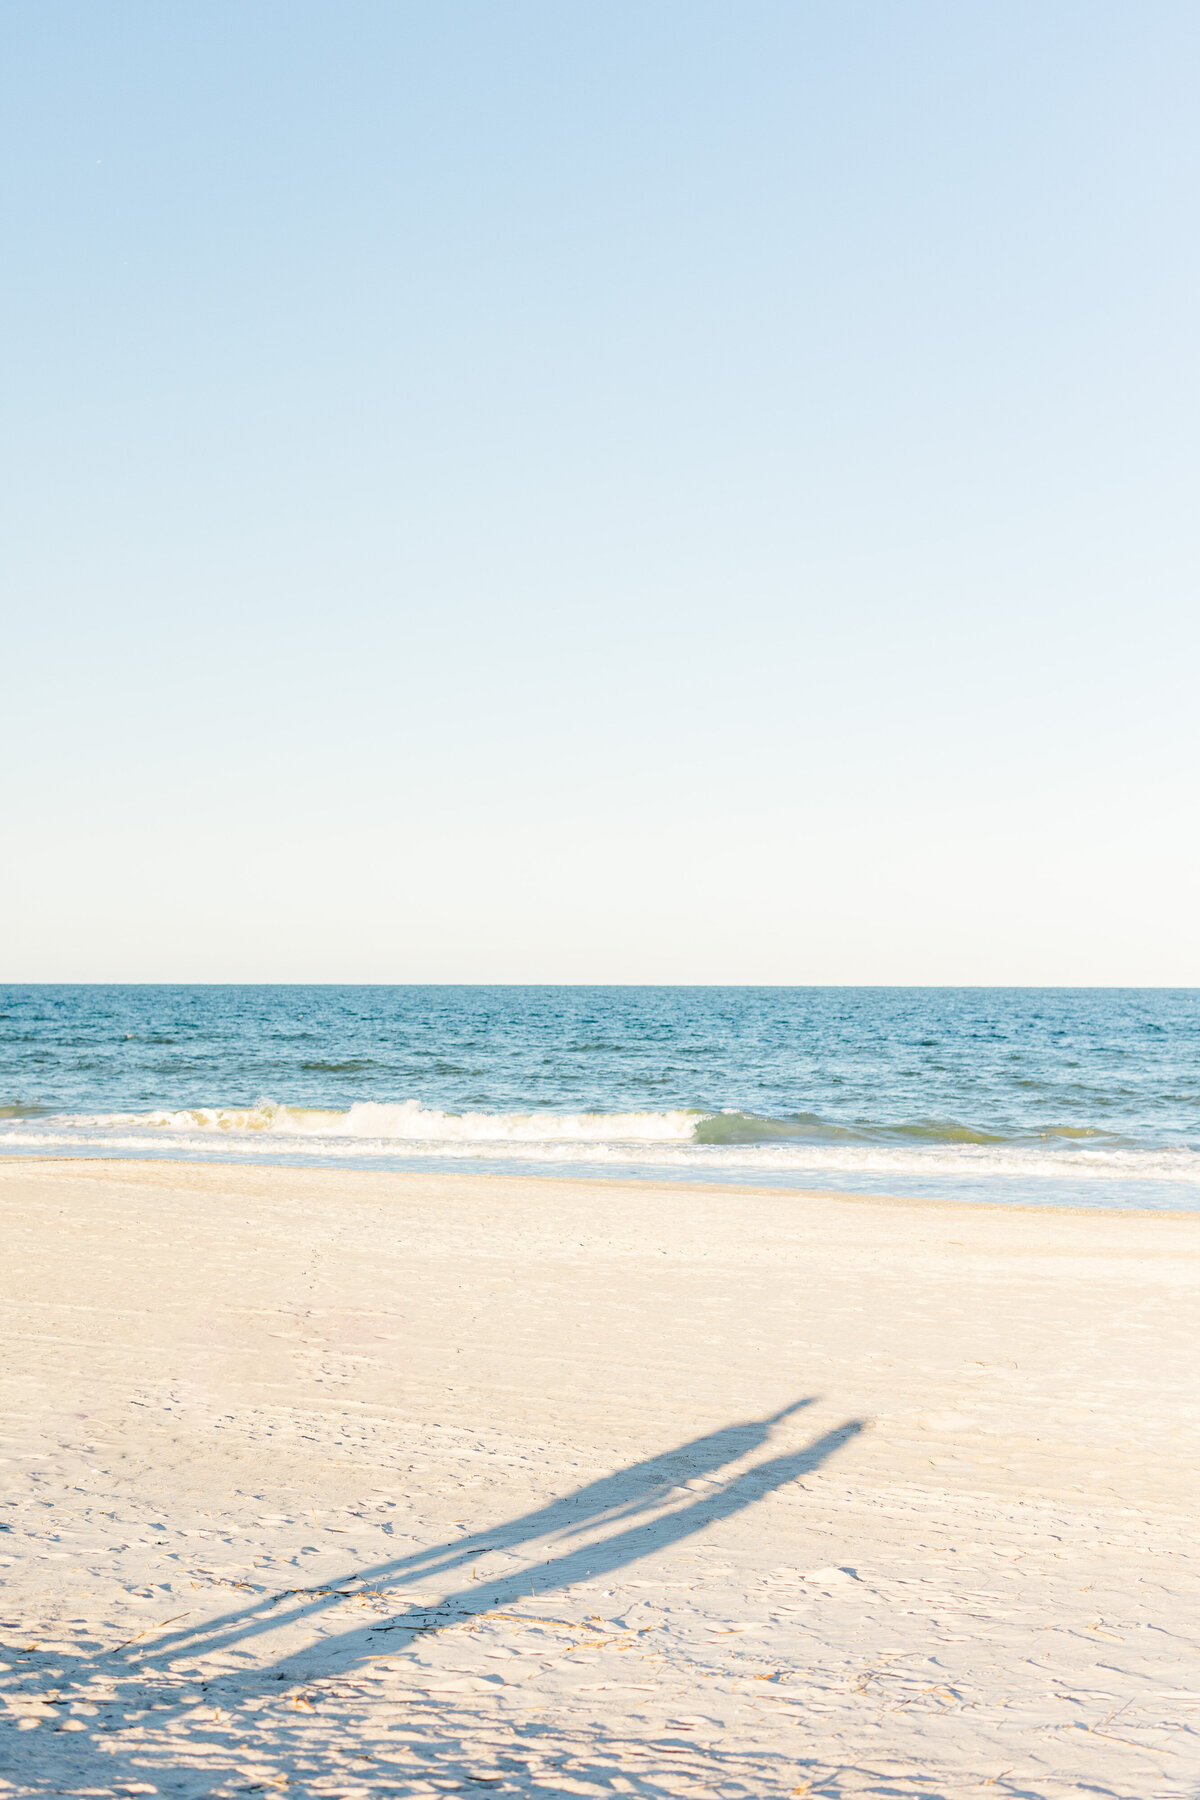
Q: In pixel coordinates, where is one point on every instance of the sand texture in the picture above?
(366, 1484)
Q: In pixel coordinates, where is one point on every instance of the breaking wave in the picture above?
(409, 1122)
(707, 1143)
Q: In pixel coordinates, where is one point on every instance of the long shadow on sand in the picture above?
(642, 1508)
(643, 1497)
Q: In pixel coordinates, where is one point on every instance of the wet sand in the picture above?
(367, 1484)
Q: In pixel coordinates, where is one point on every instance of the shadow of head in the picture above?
(650, 1484)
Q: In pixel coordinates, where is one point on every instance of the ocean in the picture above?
(1065, 1096)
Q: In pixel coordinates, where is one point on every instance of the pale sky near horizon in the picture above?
(631, 492)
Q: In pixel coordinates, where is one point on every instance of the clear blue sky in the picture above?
(659, 491)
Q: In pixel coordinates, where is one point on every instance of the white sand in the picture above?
(378, 1484)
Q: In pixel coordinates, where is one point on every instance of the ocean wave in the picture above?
(408, 1121)
(751, 1128)
(704, 1143)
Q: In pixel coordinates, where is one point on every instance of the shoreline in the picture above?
(639, 1183)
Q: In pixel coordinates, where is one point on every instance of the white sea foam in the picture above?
(374, 1131)
(410, 1122)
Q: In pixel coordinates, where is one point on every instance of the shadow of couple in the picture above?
(634, 1513)
(645, 1508)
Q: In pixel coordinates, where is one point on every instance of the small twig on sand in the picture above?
(150, 1629)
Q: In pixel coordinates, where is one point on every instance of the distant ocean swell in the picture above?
(706, 1142)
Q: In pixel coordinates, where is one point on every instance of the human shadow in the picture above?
(642, 1500)
(638, 1512)
(590, 1561)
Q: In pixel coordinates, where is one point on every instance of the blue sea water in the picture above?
(1070, 1096)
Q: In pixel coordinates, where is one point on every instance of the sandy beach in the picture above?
(365, 1484)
